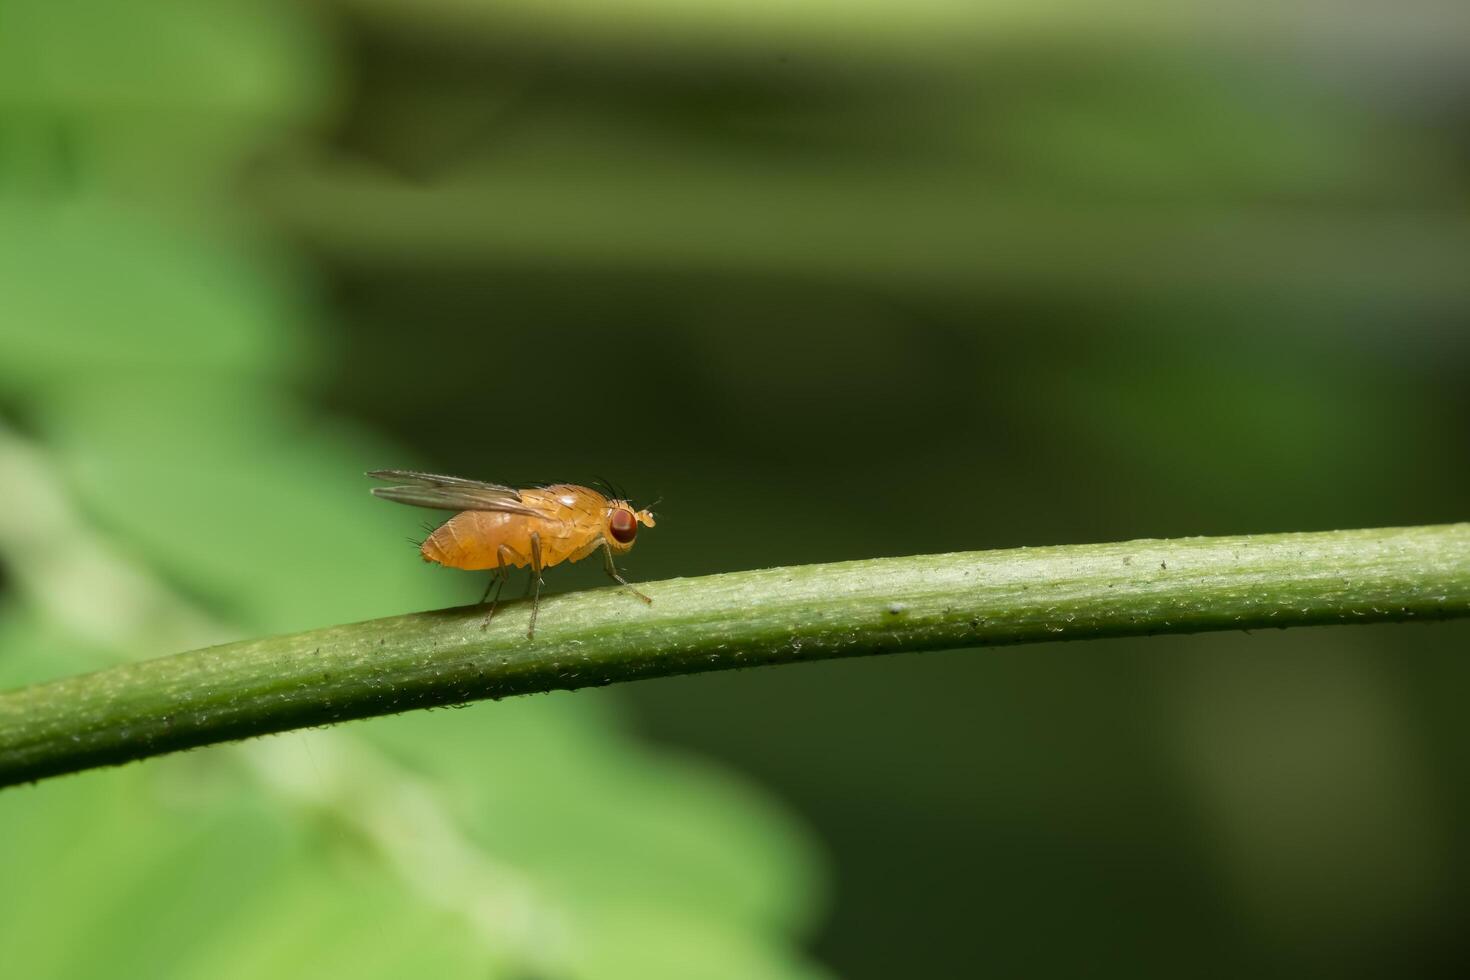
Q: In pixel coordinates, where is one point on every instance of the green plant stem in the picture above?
(721, 622)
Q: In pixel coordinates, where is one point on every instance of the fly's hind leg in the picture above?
(613, 571)
(535, 583)
(497, 580)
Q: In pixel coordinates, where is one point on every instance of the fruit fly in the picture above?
(500, 528)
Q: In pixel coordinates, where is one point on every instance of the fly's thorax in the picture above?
(567, 502)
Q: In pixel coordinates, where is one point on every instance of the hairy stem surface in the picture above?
(720, 622)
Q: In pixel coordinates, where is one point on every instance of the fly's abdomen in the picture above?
(471, 540)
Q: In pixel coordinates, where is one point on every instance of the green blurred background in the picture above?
(834, 279)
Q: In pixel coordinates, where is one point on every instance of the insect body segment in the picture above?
(499, 528)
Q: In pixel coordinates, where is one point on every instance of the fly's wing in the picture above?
(450, 493)
(439, 480)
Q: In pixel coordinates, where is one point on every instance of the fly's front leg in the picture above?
(535, 582)
(497, 579)
(613, 571)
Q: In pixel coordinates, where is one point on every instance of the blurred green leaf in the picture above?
(148, 344)
(98, 295)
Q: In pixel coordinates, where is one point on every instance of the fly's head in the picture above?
(622, 524)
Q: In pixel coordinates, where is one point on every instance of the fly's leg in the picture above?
(497, 579)
(535, 582)
(613, 571)
(497, 582)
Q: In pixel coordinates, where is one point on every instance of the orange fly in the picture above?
(500, 528)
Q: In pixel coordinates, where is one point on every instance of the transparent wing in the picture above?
(439, 480)
(449, 493)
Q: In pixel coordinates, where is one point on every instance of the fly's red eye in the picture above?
(623, 526)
